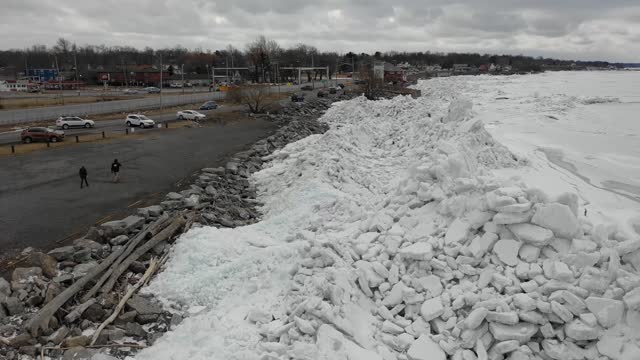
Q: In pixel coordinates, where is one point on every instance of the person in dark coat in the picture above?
(115, 170)
(83, 177)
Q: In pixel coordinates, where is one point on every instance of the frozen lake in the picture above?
(580, 130)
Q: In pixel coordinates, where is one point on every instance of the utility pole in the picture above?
(59, 79)
(226, 64)
(161, 71)
(124, 71)
(75, 64)
(182, 72)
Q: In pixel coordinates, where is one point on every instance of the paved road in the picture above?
(42, 205)
(109, 126)
(10, 117)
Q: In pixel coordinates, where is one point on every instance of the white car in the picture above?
(190, 115)
(139, 120)
(130, 91)
(65, 122)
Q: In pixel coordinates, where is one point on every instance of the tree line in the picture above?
(264, 58)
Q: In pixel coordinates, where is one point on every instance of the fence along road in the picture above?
(11, 117)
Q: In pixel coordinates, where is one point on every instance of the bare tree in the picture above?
(257, 97)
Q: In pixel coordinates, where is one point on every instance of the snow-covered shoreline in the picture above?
(394, 236)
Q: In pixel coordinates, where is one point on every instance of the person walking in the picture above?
(83, 177)
(115, 170)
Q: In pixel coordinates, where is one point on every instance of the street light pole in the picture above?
(161, 71)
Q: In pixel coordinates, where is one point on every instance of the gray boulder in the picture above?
(47, 263)
(63, 253)
(124, 226)
(5, 287)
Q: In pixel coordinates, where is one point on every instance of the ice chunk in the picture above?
(478, 218)
(481, 244)
(430, 284)
(457, 232)
(495, 200)
(524, 302)
(610, 346)
(632, 299)
(395, 295)
(521, 331)
(580, 331)
(326, 341)
(514, 208)
(561, 311)
(609, 312)
(417, 251)
(531, 234)
(558, 218)
(583, 245)
(507, 318)
(504, 347)
(504, 218)
(391, 328)
(529, 253)
(432, 309)
(425, 349)
(475, 318)
(507, 251)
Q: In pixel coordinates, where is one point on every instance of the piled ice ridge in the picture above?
(388, 238)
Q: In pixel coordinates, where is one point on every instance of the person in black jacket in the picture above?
(83, 177)
(115, 170)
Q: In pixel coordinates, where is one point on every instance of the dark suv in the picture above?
(41, 134)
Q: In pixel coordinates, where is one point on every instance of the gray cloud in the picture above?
(577, 29)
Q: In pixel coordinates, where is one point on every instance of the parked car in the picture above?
(190, 115)
(322, 93)
(209, 105)
(152, 90)
(175, 85)
(297, 98)
(29, 135)
(65, 122)
(130, 91)
(307, 88)
(188, 85)
(139, 120)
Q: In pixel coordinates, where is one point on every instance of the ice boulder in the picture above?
(609, 312)
(425, 349)
(580, 331)
(507, 251)
(522, 331)
(432, 309)
(417, 251)
(457, 232)
(333, 345)
(558, 218)
(531, 234)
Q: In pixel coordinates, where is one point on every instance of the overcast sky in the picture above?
(570, 29)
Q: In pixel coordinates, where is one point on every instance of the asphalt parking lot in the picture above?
(42, 205)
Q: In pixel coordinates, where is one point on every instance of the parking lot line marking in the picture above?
(67, 237)
(135, 203)
(104, 219)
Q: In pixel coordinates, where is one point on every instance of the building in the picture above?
(20, 85)
(42, 75)
(132, 75)
(3, 86)
(394, 74)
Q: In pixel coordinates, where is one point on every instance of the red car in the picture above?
(41, 134)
